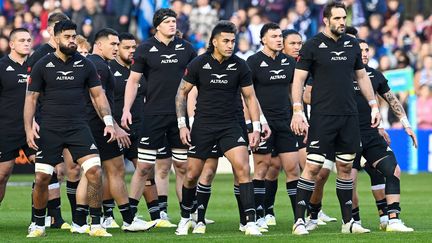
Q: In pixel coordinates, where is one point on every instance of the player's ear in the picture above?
(326, 21)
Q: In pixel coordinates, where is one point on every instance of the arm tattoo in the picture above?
(94, 193)
(395, 104)
(180, 101)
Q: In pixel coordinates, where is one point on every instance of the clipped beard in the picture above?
(337, 33)
(68, 51)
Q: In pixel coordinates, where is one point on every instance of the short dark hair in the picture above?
(288, 32)
(224, 26)
(267, 27)
(15, 31)
(351, 30)
(104, 33)
(57, 17)
(328, 8)
(64, 25)
(126, 36)
(161, 14)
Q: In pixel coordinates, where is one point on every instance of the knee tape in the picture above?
(376, 178)
(147, 155)
(387, 167)
(44, 168)
(317, 159)
(54, 183)
(150, 182)
(345, 158)
(95, 161)
(179, 155)
(328, 164)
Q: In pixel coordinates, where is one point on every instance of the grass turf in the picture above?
(416, 213)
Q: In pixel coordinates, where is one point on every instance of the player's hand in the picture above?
(111, 131)
(254, 139)
(411, 133)
(122, 137)
(385, 135)
(35, 127)
(299, 123)
(185, 136)
(31, 136)
(266, 131)
(126, 120)
(375, 117)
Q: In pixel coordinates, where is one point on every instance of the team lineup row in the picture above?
(201, 107)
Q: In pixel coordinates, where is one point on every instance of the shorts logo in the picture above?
(50, 65)
(144, 140)
(241, 140)
(231, 67)
(297, 145)
(207, 66)
(263, 64)
(117, 74)
(191, 148)
(38, 155)
(322, 45)
(179, 47)
(153, 49)
(77, 63)
(161, 150)
(313, 144)
(93, 146)
(10, 69)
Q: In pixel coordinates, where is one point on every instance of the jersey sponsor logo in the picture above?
(207, 66)
(277, 76)
(347, 44)
(117, 74)
(263, 64)
(241, 140)
(322, 45)
(22, 78)
(231, 67)
(64, 75)
(338, 56)
(153, 49)
(50, 65)
(77, 63)
(169, 59)
(218, 79)
(10, 69)
(93, 147)
(179, 47)
(283, 62)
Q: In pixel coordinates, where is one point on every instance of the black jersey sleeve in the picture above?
(251, 64)
(92, 78)
(191, 73)
(358, 62)
(305, 58)
(139, 60)
(245, 75)
(383, 86)
(36, 81)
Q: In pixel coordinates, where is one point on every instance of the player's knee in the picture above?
(206, 177)
(346, 158)
(147, 156)
(73, 172)
(179, 155)
(191, 177)
(42, 179)
(391, 171)
(92, 167)
(315, 159)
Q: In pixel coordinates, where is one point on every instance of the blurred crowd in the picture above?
(397, 39)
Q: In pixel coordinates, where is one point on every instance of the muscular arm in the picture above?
(365, 84)
(131, 90)
(251, 102)
(30, 109)
(100, 101)
(395, 104)
(307, 94)
(191, 101)
(297, 86)
(181, 98)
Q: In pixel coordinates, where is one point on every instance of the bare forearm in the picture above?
(181, 104)
(102, 106)
(395, 104)
(253, 108)
(29, 111)
(366, 88)
(130, 95)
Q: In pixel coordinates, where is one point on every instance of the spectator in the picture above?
(254, 29)
(306, 23)
(4, 46)
(182, 19)
(374, 6)
(244, 49)
(395, 9)
(92, 15)
(83, 46)
(117, 13)
(355, 14)
(375, 36)
(424, 107)
(424, 75)
(202, 20)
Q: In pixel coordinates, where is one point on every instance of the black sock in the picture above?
(356, 214)
(393, 210)
(186, 205)
(247, 200)
(259, 194)
(382, 207)
(314, 210)
(95, 214)
(81, 214)
(163, 203)
(108, 208)
(71, 194)
(270, 194)
(239, 205)
(153, 209)
(54, 210)
(304, 193)
(134, 205)
(33, 219)
(203, 197)
(40, 216)
(126, 213)
(291, 188)
(194, 204)
(344, 190)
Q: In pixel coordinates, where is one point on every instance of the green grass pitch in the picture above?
(416, 212)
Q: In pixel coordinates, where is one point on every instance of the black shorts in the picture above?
(300, 140)
(131, 153)
(157, 128)
(281, 140)
(77, 138)
(374, 147)
(205, 136)
(217, 153)
(106, 150)
(340, 134)
(14, 153)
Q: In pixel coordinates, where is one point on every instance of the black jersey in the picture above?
(121, 74)
(380, 86)
(272, 80)
(13, 85)
(108, 82)
(332, 65)
(42, 51)
(218, 85)
(64, 86)
(163, 67)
